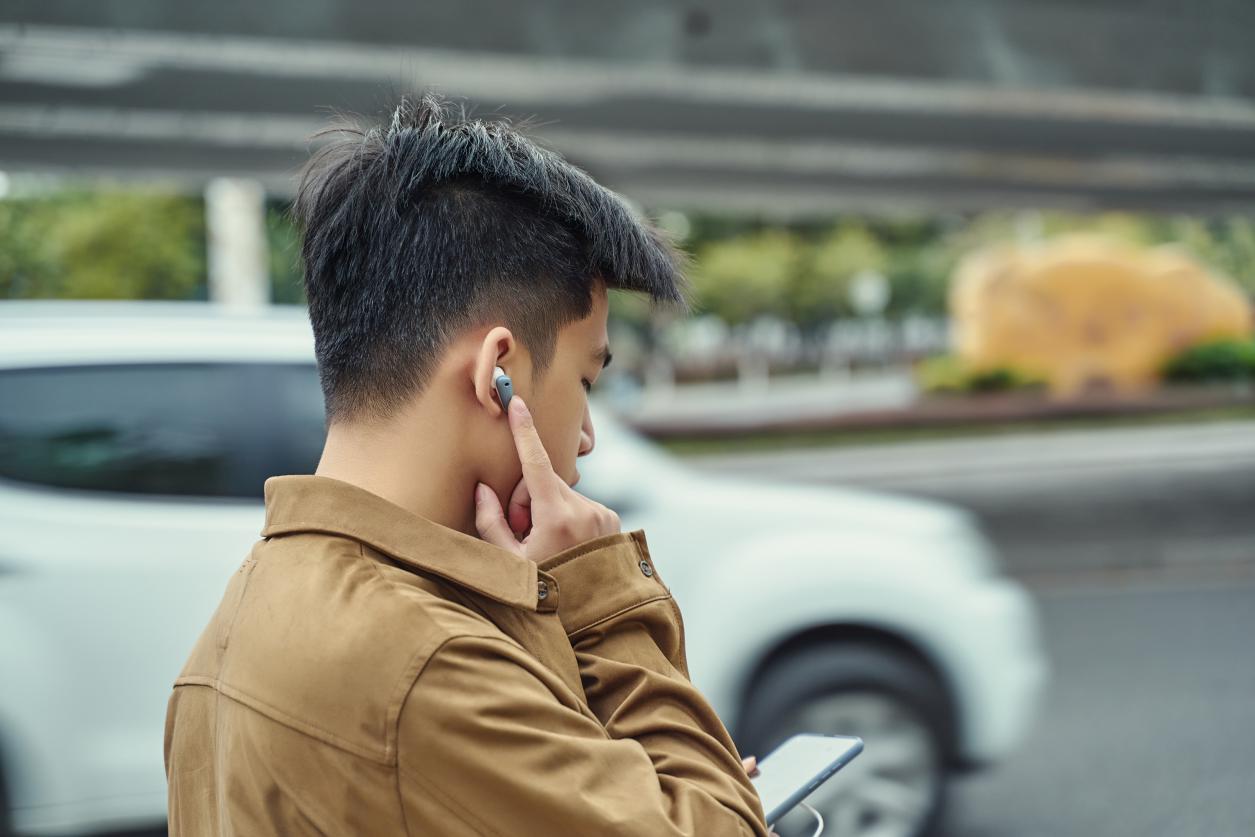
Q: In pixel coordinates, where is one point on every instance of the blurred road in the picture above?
(1140, 546)
(1149, 725)
(1175, 498)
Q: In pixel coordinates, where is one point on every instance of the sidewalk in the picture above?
(882, 400)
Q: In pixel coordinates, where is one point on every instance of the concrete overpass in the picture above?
(775, 107)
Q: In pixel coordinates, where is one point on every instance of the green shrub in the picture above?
(1216, 360)
(947, 373)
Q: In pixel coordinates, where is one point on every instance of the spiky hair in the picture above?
(435, 222)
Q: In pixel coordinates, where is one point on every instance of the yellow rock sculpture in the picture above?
(1083, 313)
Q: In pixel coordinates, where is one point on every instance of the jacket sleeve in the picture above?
(491, 742)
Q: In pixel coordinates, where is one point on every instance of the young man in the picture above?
(437, 634)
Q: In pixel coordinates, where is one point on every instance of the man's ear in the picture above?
(498, 348)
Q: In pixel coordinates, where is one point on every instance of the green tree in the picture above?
(820, 290)
(284, 243)
(740, 278)
(103, 244)
(919, 275)
(26, 265)
(1226, 244)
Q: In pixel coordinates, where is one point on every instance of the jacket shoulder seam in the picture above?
(448, 802)
(407, 677)
(504, 640)
(413, 669)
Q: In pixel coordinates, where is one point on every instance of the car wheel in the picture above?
(896, 786)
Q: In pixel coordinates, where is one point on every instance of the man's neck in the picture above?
(422, 473)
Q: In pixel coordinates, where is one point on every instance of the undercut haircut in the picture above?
(434, 222)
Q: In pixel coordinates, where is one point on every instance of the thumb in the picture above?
(490, 520)
(519, 513)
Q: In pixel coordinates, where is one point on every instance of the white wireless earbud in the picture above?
(505, 388)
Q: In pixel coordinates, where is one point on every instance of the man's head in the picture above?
(439, 246)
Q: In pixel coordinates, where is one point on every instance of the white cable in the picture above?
(820, 819)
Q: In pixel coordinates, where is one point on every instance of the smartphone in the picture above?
(792, 771)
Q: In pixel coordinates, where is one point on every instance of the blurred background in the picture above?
(987, 260)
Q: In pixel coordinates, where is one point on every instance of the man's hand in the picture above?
(560, 516)
(751, 767)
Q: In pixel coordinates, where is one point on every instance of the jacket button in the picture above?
(645, 568)
(542, 590)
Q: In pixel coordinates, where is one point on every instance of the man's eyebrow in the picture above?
(603, 355)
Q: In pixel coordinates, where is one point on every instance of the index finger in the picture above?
(537, 469)
(519, 512)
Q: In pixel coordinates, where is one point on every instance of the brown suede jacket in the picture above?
(371, 672)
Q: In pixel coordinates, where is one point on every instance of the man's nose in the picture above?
(588, 436)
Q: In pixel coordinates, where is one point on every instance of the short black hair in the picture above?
(434, 222)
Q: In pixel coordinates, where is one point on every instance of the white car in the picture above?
(129, 431)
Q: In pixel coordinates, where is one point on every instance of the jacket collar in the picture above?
(312, 503)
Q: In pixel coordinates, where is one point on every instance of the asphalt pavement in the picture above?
(1149, 725)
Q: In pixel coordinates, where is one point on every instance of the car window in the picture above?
(294, 397)
(154, 429)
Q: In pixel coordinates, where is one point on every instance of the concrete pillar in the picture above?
(235, 216)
